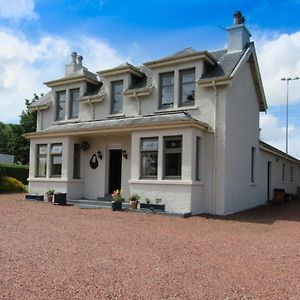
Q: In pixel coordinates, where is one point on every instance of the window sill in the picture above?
(119, 115)
(181, 108)
(57, 122)
(165, 182)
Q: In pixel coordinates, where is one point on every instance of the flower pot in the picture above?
(50, 198)
(133, 204)
(116, 206)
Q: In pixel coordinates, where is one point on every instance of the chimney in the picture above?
(79, 60)
(238, 34)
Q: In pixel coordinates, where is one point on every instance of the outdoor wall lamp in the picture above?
(99, 154)
(124, 154)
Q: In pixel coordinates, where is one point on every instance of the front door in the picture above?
(115, 170)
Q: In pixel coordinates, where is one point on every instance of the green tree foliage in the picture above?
(11, 135)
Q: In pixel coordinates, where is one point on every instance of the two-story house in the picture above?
(183, 129)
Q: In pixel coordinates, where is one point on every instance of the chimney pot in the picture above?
(74, 56)
(79, 59)
(238, 18)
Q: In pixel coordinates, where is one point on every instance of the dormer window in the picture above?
(117, 97)
(60, 105)
(166, 93)
(187, 87)
(74, 95)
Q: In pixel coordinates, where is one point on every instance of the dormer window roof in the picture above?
(122, 69)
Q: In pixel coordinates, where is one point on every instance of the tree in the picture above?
(17, 144)
(5, 130)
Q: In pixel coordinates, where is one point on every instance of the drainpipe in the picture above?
(139, 102)
(215, 150)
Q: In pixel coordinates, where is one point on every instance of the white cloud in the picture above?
(24, 66)
(274, 134)
(279, 56)
(16, 10)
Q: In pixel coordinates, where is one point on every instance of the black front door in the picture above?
(115, 170)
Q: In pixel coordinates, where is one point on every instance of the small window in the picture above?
(116, 97)
(41, 161)
(74, 111)
(252, 164)
(149, 155)
(283, 172)
(198, 158)
(56, 160)
(292, 174)
(172, 156)
(187, 87)
(166, 90)
(76, 163)
(60, 105)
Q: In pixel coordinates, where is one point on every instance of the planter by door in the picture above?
(50, 198)
(116, 206)
(133, 204)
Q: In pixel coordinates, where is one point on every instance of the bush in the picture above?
(11, 185)
(1, 173)
(19, 172)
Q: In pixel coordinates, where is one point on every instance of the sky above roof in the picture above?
(37, 37)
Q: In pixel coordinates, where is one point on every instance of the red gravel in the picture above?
(55, 252)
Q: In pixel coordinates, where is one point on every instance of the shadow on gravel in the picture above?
(266, 214)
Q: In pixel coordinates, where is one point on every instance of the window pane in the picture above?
(117, 97)
(150, 145)
(173, 143)
(167, 79)
(74, 95)
(188, 93)
(56, 159)
(173, 164)
(167, 95)
(117, 103)
(188, 76)
(42, 166)
(166, 89)
(42, 149)
(60, 105)
(149, 164)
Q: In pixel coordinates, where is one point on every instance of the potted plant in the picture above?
(50, 194)
(116, 203)
(134, 200)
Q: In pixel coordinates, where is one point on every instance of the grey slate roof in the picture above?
(142, 84)
(44, 100)
(226, 62)
(119, 123)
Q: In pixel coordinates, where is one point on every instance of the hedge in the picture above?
(19, 172)
(11, 185)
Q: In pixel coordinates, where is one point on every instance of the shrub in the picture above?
(1, 173)
(19, 172)
(11, 185)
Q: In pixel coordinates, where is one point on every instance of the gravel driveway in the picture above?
(55, 252)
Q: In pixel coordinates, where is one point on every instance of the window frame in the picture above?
(58, 102)
(181, 84)
(172, 151)
(52, 156)
(72, 101)
(161, 86)
(113, 93)
(38, 156)
(142, 176)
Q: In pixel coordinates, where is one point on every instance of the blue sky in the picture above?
(37, 37)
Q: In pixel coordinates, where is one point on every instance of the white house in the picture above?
(183, 129)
